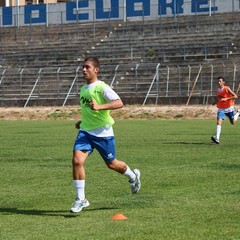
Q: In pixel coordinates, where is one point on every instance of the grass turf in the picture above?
(190, 186)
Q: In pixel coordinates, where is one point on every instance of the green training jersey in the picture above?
(92, 119)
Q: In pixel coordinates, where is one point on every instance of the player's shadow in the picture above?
(187, 143)
(35, 212)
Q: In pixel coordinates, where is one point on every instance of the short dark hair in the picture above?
(94, 60)
(221, 78)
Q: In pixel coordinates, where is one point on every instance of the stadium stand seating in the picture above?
(40, 63)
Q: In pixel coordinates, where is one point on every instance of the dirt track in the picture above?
(127, 112)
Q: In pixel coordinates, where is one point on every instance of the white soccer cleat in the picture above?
(136, 184)
(78, 205)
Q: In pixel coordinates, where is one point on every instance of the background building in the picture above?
(9, 3)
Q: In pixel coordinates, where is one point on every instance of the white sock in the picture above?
(80, 188)
(130, 174)
(219, 127)
(236, 116)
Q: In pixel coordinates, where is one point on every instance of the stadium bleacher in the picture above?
(155, 61)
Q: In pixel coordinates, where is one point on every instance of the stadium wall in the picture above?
(103, 10)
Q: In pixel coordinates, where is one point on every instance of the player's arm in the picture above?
(115, 104)
(234, 96)
(113, 101)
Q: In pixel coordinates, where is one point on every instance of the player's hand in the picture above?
(94, 105)
(77, 124)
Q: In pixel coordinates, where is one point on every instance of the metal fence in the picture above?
(151, 80)
(135, 83)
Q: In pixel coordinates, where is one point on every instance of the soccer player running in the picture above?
(225, 105)
(96, 132)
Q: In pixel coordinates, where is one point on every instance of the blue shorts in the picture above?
(104, 145)
(223, 115)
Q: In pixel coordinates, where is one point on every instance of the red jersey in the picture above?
(224, 93)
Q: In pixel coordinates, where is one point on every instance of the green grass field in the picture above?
(190, 186)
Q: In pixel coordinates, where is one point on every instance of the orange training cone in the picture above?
(119, 216)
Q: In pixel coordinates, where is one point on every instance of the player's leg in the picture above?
(232, 118)
(82, 149)
(78, 160)
(236, 116)
(123, 168)
(106, 147)
(220, 117)
(78, 169)
(219, 128)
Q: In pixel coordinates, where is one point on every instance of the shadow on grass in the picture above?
(189, 143)
(225, 166)
(48, 213)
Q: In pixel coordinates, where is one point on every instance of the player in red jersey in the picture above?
(225, 105)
